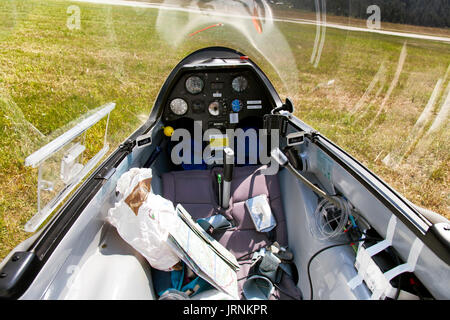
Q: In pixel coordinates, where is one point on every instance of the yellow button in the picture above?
(168, 131)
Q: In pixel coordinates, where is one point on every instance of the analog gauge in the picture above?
(194, 85)
(214, 108)
(239, 84)
(178, 106)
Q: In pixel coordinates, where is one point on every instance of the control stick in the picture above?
(227, 175)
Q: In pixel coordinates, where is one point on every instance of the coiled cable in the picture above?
(332, 217)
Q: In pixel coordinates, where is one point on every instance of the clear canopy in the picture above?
(380, 90)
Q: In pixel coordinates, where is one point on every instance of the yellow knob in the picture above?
(168, 131)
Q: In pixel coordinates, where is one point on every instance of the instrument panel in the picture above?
(219, 98)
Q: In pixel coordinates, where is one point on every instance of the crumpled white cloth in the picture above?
(147, 232)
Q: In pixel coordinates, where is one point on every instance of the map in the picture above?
(205, 256)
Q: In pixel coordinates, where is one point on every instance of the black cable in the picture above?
(326, 248)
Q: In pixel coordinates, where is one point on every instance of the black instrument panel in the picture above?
(221, 98)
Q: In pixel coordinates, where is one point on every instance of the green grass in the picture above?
(50, 76)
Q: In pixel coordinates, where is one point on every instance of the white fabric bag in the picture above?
(142, 218)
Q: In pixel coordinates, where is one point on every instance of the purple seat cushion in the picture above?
(196, 191)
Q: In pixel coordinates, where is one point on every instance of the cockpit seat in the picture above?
(197, 192)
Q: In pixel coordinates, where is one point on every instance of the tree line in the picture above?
(430, 13)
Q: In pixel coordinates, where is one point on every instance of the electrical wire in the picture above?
(324, 221)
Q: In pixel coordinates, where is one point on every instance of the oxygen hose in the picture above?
(317, 190)
(283, 161)
(329, 202)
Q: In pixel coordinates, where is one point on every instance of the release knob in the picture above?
(168, 131)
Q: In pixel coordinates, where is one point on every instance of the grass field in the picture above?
(366, 94)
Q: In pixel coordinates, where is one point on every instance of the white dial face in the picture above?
(239, 84)
(214, 108)
(194, 85)
(178, 106)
